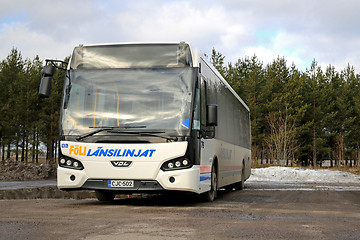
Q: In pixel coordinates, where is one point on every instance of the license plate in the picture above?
(121, 183)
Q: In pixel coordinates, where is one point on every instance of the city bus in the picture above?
(148, 118)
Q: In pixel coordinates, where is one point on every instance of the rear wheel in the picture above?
(104, 196)
(212, 194)
(241, 185)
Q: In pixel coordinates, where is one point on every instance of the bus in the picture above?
(148, 118)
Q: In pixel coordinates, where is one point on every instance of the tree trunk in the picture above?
(27, 123)
(26, 146)
(254, 154)
(33, 147)
(50, 142)
(342, 149)
(55, 149)
(314, 140)
(8, 150)
(17, 150)
(37, 147)
(336, 157)
(3, 152)
(23, 149)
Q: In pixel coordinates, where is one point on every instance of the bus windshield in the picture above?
(131, 56)
(150, 98)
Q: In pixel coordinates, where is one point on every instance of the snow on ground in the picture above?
(300, 175)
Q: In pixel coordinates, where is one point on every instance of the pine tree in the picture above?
(285, 108)
(12, 72)
(315, 96)
(33, 76)
(334, 117)
(217, 59)
(352, 121)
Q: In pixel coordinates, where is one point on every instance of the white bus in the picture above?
(151, 118)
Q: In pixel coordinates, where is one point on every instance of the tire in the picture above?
(212, 194)
(241, 185)
(104, 196)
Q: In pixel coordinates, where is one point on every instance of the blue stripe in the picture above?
(205, 177)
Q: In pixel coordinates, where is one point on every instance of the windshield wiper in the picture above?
(101, 129)
(149, 134)
(174, 139)
(92, 133)
(123, 127)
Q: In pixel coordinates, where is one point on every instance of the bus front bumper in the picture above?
(177, 180)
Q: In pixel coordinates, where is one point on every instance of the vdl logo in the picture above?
(64, 145)
(121, 163)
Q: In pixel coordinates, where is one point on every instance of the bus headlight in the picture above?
(68, 162)
(62, 161)
(176, 164)
(76, 164)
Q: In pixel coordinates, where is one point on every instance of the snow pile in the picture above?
(289, 174)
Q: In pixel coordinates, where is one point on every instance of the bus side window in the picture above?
(203, 101)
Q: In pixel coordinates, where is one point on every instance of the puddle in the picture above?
(12, 185)
(44, 192)
(38, 189)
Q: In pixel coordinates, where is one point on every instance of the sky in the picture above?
(300, 31)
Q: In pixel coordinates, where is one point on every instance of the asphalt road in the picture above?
(261, 211)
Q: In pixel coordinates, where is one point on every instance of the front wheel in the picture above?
(104, 196)
(212, 194)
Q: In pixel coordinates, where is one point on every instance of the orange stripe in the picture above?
(71, 119)
(117, 107)
(205, 169)
(95, 108)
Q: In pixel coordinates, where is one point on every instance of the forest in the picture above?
(27, 123)
(299, 117)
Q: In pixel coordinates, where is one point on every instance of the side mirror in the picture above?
(211, 115)
(45, 85)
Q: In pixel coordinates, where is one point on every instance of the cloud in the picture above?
(304, 30)
(48, 29)
(174, 21)
(298, 30)
(31, 43)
